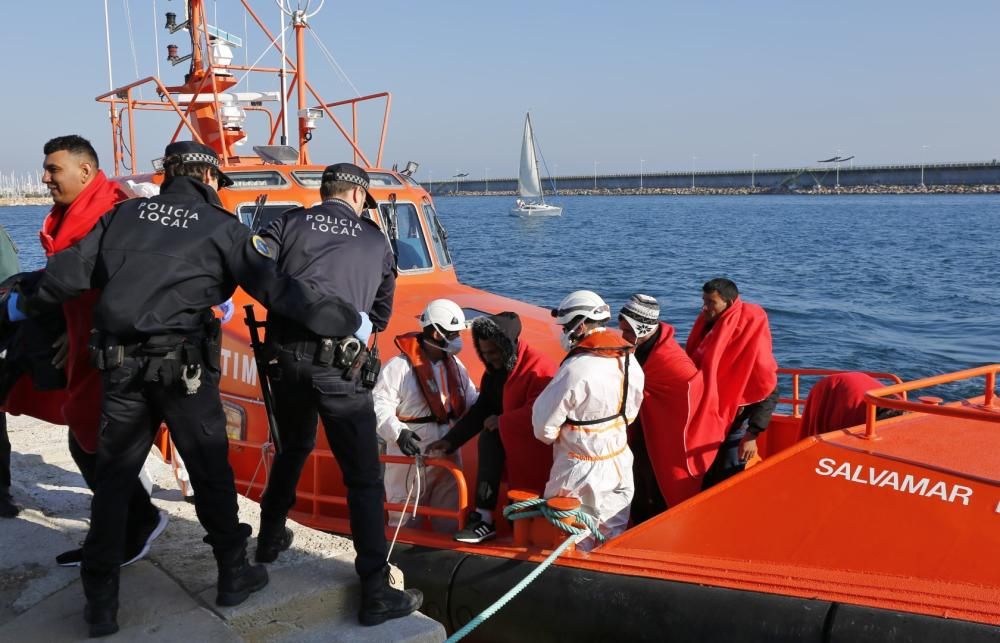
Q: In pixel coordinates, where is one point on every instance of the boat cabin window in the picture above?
(410, 244)
(268, 213)
(439, 236)
(256, 180)
(383, 180)
(313, 178)
(412, 181)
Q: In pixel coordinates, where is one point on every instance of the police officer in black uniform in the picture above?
(162, 263)
(338, 252)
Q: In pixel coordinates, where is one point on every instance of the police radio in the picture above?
(370, 367)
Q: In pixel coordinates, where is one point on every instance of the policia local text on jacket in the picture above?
(162, 263)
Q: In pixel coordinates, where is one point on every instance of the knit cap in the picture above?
(642, 313)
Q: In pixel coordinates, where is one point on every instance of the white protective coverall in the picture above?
(397, 394)
(592, 463)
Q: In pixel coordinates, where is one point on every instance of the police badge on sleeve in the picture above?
(261, 247)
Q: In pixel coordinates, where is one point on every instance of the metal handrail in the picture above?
(795, 401)
(988, 412)
(459, 514)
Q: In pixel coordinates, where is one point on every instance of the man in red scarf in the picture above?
(730, 344)
(81, 194)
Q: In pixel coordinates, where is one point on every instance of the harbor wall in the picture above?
(777, 180)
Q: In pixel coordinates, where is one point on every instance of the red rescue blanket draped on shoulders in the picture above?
(673, 390)
(79, 404)
(528, 460)
(837, 402)
(737, 366)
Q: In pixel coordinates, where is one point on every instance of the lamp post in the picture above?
(431, 181)
(837, 185)
(486, 176)
(923, 161)
(641, 162)
(753, 172)
(693, 159)
(595, 176)
(555, 174)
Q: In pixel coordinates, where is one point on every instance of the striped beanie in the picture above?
(642, 313)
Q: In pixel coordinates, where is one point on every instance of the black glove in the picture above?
(407, 442)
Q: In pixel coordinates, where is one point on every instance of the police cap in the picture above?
(351, 174)
(192, 152)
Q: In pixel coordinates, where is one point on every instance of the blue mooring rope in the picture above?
(531, 509)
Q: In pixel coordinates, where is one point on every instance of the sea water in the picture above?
(905, 284)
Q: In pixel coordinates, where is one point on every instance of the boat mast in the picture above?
(534, 156)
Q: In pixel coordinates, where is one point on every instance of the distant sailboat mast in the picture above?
(528, 183)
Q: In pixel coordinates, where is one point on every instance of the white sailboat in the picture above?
(529, 187)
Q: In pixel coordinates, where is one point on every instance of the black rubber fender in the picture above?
(565, 604)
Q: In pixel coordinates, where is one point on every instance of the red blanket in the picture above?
(672, 392)
(737, 368)
(528, 461)
(79, 404)
(837, 402)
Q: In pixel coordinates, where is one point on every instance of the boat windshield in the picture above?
(412, 248)
(439, 236)
(256, 180)
(268, 213)
(313, 178)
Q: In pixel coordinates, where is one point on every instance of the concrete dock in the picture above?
(313, 593)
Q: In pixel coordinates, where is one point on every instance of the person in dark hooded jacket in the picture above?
(515, 374)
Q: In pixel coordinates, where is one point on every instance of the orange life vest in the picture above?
(605, 344)
(410, 345)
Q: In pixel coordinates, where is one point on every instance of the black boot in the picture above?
(101, 611)
(271, 542)
(8, 508)
(381, 602)
(237, 577)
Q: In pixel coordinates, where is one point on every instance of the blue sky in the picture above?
(791, 82)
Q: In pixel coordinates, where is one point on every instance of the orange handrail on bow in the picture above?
(987, 412)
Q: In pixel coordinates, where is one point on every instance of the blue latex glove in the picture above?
(365, 330)
(15, 315)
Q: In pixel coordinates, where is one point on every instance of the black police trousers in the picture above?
(4, 454)
(304, 391)
(131, 412)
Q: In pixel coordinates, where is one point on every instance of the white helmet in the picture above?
(444, 314)
(581, 303)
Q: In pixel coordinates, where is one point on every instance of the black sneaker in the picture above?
(134, 551)
(477, 530)
(138, 548)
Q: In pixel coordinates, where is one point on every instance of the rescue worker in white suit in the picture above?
(419, 395)
(585, 411)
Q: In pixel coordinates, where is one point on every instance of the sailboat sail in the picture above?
(528, 184)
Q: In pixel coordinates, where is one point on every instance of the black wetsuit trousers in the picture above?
(142, 515)
(491, 463)
(4, 455)
(727, 461)
(647, 500)
(304, 392)
(131, 412)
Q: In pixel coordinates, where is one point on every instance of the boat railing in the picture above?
(986, 412)
(459, 513)
(797, 402)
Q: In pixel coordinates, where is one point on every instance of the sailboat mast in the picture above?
(534, 155)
